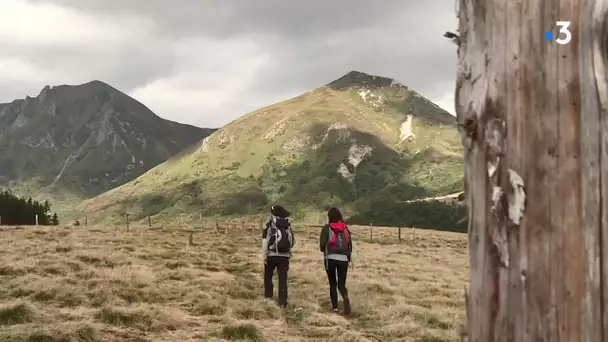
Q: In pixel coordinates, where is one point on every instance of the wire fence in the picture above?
(191, 224)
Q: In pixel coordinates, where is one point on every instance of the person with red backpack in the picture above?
(277, 242)
(336, 244)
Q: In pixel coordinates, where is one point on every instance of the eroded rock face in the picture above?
(297, 144)
(376, 100)
(42, 142)
(406, 132)
(226, 137)
(340, 128)
(205, 146)
(356, 154)
(277, 129)
(343, 171)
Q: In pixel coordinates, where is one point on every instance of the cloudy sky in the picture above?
(207, 62)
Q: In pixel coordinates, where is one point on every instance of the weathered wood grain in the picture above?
(533, 116)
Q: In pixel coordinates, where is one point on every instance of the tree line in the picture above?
(15, 210)
(420, 214)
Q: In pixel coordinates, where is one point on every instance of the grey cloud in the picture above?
(232, 17)
(129, 66)
(309, 43)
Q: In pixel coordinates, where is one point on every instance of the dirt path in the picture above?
(437, 198)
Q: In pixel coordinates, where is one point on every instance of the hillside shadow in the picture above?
(314, 181)
(423, 109)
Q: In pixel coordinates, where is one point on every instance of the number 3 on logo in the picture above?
(563, 28)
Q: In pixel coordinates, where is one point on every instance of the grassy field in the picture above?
(109, 284)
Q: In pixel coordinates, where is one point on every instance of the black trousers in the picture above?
(282, 266)
(336, 274)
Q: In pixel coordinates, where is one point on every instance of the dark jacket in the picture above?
(324, 239)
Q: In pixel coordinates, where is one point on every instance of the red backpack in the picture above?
(338, 241)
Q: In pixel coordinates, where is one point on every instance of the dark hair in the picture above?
(334, 215)
(279, 211)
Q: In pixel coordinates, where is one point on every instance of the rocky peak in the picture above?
(357, 79)
(97, 85)
(43, 93)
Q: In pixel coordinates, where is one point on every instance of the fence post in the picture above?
(127, 218)
(217, 227)
(190, 239)
(86, 221)
(36, 219)
(371, 234)
(399, 235)
(149, 222)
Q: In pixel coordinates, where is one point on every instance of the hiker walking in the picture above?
(336, 244)
(277, 242)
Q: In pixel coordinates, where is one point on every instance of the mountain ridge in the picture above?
(346, 143)
(84, 139)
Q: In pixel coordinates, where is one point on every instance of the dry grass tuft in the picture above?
(16, 314)
(108, 284)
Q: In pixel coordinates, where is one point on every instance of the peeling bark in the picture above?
(533, 116)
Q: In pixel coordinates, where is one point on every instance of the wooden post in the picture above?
(371, 234)
(399, 235)
(149, 222)
(534, 123)
(217, 227)
(127, 219)
(36, 219)
(86, 221)
(191, 239)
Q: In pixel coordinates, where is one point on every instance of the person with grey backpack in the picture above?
(277, 242)
(336, 244)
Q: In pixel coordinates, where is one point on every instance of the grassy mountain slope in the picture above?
(357, 141)
(71, 142)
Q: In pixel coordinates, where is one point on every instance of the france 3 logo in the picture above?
(564, 35)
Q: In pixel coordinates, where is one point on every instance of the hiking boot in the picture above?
(346, 306)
